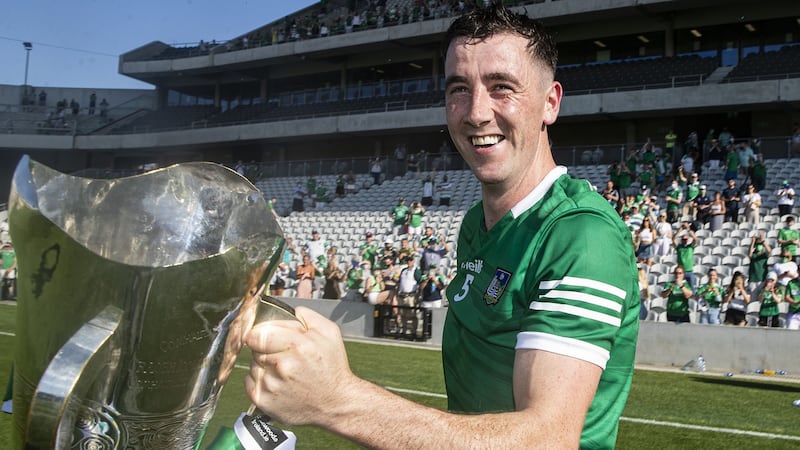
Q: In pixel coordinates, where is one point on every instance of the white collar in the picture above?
(538, 192)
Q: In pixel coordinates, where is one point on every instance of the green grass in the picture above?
(737, 403)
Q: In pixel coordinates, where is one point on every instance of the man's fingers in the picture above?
(274, 336)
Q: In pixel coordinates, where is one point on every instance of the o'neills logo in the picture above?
(472, 266)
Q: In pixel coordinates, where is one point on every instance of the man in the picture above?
(678, 293)
(611, 194)
(789, 237)
(433, 253)
(368, 250)
(408, 283)
(685, 242)
(692, 191)
(674, 199)
(540, 336)
(399, 215)
(431, 288)
(316, 248)
(785, 197)
(751, 203)
(732, 198)
(786, 269)
(702, 205)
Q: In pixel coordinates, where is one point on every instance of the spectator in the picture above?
(725, 138)
(408, 282)
(271, 206)
(669, 142)
(433, 253)
(674, 199)
(279, 280)
(350, 184)
(339, 186)
(354, 280)
(709, 298)
(406, 249)
(770, 296)
(663, 235)
(731, 164)
(92, 103)
(732, 198)
(373, 286)
(333, 276)
(399, 215)
(611, 194)
(785, 197)
(714, 154)
(42, 98)
(792, 297)
(737, 298)
(299, 195)
(389, 275)
(431, 288)
(8, 272)
(75, 106)
(751, 201)
(685, 242)
(412, 164)
(746, 156)
(716, 212)
(317, 248)
(645, 235)
(427, 191)
(415, 215)
(103, 108)
(368, 250)
(321, 197)
(758, 252)
(677, 292)
(758, 173)
(305, 274)
(702, 206)
(376, 170)
(789, 237)
(644, 290)
(786, 268)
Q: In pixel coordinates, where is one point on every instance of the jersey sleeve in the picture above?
(586, 282)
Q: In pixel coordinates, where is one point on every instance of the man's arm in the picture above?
(303, 377)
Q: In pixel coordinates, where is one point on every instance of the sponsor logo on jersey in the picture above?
(472, 266)
(497, 286)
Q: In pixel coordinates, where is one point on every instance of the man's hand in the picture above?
(298, 375)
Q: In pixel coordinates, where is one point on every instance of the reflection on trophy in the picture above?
(134, 295)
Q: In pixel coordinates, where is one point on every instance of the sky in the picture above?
(77, 43)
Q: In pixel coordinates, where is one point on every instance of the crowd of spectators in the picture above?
(664, 206)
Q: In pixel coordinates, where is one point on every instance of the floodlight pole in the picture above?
(28, 47)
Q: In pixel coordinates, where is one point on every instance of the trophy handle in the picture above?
(71, 373)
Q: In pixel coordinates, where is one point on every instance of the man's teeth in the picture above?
(485, 140)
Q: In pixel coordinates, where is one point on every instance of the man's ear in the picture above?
(552, 103)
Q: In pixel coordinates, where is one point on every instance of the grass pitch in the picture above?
(665, 410)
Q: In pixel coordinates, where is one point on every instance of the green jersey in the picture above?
(692, 191)
(415, 217)
(677, 303)
(685, 254)
(7, 257)
(793, 290)
(368, 252)
(676, 194)
(757, 271)
(399, 214)
(711, 294)
(541, 279)
(789, 234)
(769, 301)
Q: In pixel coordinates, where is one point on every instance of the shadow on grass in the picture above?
(767, 386)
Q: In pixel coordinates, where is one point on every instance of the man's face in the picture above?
(498, 101)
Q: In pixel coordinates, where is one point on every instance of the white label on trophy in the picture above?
(255, 433)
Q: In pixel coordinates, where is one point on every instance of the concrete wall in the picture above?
(726, 349)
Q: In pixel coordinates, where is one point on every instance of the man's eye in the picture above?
(457, 89)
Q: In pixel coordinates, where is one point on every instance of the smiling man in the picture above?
(539, 341)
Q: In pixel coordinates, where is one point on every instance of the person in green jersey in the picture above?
(709, 298)
(792, 297)
(540, 335)
(399, 215)
(789, 237)
(685, 241)
(769, 297)
(674, 198)
(678, 292)
(758, 252)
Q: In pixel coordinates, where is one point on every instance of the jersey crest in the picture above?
(497, 286)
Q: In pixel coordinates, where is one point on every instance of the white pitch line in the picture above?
(4, 333)
(713, 429)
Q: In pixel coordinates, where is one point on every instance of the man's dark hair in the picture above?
(483, 23)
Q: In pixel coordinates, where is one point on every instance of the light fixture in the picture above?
(600, 44)
(696, 33)
(643, 39)
(415, 65)
(749, 27)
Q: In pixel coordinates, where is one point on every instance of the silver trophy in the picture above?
(133, 298)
